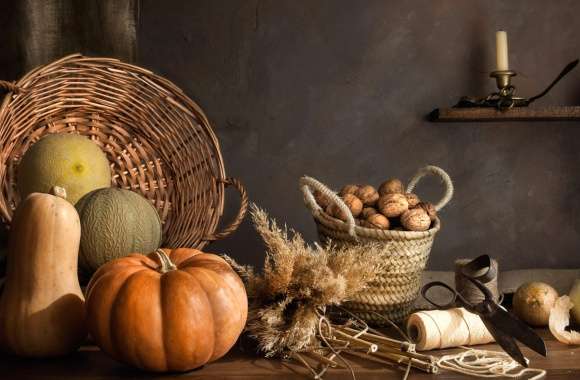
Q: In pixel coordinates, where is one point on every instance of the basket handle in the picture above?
(443, 176)
(234, 224)
(9, 86)
(309, 183)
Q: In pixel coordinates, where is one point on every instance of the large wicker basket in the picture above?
(393, 295)
(159, 142)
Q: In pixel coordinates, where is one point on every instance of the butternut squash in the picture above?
(42, 311)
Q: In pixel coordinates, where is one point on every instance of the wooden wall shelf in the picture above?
(553, 113)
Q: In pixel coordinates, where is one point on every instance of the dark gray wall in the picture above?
(339, 90)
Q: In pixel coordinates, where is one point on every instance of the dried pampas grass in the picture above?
(298, 282)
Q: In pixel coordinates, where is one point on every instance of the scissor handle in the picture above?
(438, 284)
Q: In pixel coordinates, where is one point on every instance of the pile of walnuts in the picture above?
(388, 208)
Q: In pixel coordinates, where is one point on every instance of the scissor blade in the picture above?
(508, 344)
(506, 323)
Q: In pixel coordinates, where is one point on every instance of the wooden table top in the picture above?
(90, 363)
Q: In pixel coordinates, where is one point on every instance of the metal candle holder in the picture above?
(505, 98)
(503, 79)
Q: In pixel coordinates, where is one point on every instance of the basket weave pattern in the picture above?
(393, 294)
(159, 142)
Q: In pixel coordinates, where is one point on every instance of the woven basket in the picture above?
(393, 294)
(159, 142)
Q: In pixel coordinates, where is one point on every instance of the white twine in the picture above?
(484, 363)
(434, 329)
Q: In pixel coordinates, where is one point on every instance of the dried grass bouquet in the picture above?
(298, 283)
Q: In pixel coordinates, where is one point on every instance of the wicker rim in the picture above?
(195, 227)
(309, 183)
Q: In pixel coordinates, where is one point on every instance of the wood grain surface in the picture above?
(91, 364)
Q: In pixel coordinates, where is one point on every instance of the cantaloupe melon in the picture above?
(115, 223)
(72, 162)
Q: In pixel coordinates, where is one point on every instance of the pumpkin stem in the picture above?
(166, 264)
(58, 192)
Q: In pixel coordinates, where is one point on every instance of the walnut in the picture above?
(390, 186)
(413, 199)
(416, 219)
(352, 202)
(322, 200)
(429, 208)
(348, 189)
(368, 211)
(378, 221)
(367, 194)
(393, 205)
(335, 212)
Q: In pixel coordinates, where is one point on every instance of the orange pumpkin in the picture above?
(173, 310)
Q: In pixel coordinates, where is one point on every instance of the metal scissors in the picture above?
(502, 325)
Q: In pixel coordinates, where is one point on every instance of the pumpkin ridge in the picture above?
(218, 266)
(199, 260)
(242, 306)
(232, 297)
(207, 302)
(133, 260)
(93, 319)
(140, 354)
(162, 285)
(115, 271)
(241, 299)
(211, 273)
(181, 255)
(113, 337)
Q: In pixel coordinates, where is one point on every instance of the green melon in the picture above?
(72, 162)
(115, 223)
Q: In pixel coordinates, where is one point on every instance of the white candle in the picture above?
(501, 48)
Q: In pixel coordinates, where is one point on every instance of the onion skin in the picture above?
(533, 301)
(575, 298)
